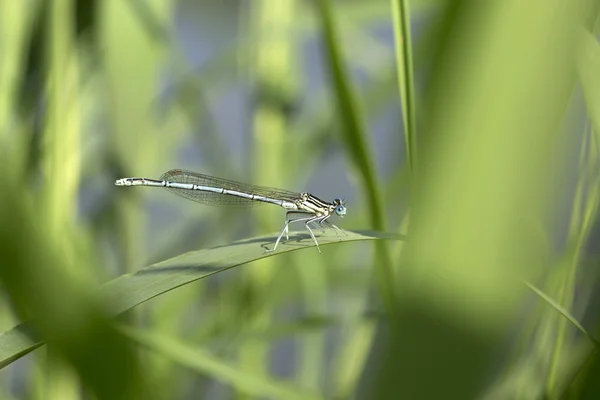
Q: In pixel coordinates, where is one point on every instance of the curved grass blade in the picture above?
(129, 290)
(17, 342)
(564, 312)
(205, 363)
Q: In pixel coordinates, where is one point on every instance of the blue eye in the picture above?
(340, 210)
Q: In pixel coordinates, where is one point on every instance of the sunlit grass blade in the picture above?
(484, 179)
(129, 290)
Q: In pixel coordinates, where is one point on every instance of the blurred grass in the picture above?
(65, 314)
(272, 72)
(355, 139)
(507, 190)
(406, 78)
(249, 381)
(130, 290)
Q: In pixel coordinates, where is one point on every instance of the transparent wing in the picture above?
(211, 198)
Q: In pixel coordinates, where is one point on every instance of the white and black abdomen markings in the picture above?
(229, 192)
(318, 210)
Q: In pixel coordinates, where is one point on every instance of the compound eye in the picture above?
(340, 210)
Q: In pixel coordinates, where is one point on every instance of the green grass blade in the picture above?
(564, 312)
(588, 383)
(355, 138)
(479, 132)
(404, 67)
(205, 363)
(588, 62)
(130, 290)
(17, 342)
(351, 117)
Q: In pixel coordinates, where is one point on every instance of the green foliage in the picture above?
(502, 189)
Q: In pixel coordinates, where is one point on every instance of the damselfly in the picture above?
(301, 207)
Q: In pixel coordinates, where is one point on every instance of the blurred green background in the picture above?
(471, 127)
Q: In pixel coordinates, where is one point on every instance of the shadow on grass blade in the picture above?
(127, 291)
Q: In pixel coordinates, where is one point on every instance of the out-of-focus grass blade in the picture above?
(129, 290)
(565, 313)
(15, 29)
(486, 155)
(404, 67)
(350, 113)
(302, 326)
(588, 65)
(356, 141)
(590, 387)
(41, 283)
(205, 363)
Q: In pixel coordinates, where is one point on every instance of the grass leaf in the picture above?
(129, 290)
(203, 362)
(404, 67)
(563, 311)
(588, 62)
(357, 142)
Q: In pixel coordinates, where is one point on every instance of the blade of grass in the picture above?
(355, 136)
(17, 342)
(588, 62)
(130, 290)
(563, 311)
(487, 158)
(404, 67)
(588, 382)
(305, 325)
(15, 30)
(356, 142)
(62, 158)
(203, 362)
(272, 65)
(39, 282)
(588, 58)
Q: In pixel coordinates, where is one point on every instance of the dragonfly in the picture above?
(300, 207)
